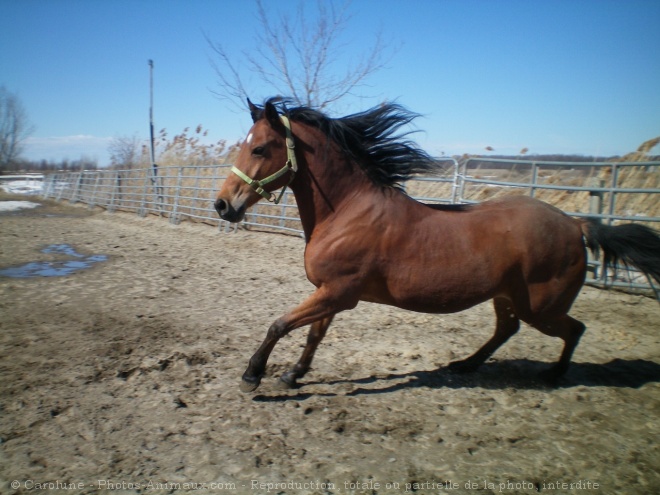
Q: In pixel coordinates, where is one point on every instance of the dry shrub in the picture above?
(623, 173)
(189, 170)
(188, 148)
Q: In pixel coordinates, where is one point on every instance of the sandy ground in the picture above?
(123, 378)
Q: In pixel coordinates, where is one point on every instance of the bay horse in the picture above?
(366, 240)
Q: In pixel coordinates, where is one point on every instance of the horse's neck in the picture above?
(322, 186)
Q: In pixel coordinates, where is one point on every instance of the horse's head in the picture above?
(265, 162)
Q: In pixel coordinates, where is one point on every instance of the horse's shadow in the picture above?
(518, 373)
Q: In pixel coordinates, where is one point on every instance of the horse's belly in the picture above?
(430, 296)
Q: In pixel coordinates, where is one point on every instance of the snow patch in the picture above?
(17, 205)
(22, 184)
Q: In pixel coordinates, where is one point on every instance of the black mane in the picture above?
(371, 139)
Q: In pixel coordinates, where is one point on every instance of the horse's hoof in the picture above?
(287, 381)
(284, 385)
(248, 386)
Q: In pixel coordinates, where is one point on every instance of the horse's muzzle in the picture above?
(228, 212)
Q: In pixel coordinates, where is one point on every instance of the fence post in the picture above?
(63, 184)
(177, 190)
(596, 209)
(596, 197)
(116, 191)
(76, 190)
(285, 200)
(460, 179)
(195, 199)
(92, 201)
(535, 173)
(142, 211)
(454, 184)
(615, 181)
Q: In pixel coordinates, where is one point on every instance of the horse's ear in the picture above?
(255, 111)
(273, 116)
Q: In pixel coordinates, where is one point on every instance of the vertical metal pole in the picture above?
(596, 209)
(461, 181)
(285, 200)
(193, 203)
(615, 181)
(151, 115)
(454, 185)
(116, 191)
(174, 216)
(145, 193)
(154, 166)
(63, 183)
(92, 200)
(76, 190)
(596, 197)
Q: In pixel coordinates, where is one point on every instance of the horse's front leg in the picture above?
(323, 303)
(314, 338)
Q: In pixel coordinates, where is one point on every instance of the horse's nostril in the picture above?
(221, 206)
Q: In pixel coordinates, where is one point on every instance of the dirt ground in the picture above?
(123, 378)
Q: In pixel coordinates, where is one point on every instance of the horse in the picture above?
(367, 240)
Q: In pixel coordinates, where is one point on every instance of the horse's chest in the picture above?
(337, 259)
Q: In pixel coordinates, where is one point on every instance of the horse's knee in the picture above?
(278, 329)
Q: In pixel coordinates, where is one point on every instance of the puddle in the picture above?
(54, 268)
(62, 249)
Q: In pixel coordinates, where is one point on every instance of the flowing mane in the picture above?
(371, 140)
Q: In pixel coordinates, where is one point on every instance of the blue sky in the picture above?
(555, 76)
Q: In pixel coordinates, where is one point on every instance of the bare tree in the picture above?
(125, 151)
(297, 54)
(15, 127)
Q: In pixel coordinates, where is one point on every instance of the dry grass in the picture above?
(621, 174)
(626, 204)
(188, 148)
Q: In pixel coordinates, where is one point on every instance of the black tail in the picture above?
(633, 244)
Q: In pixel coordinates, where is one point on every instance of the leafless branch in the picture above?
(15, 127)
(298, 54)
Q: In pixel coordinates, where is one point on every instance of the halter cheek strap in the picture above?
(291, 165)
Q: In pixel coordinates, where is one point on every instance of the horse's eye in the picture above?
(258, 151)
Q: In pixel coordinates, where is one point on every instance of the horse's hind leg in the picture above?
(314, 338)
(569, 330)
(507, 325)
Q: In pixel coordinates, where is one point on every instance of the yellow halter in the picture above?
(291, 165)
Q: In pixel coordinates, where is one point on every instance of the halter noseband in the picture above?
(291, 165)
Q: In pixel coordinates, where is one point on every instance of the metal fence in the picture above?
(623, 191)
(613, 192)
